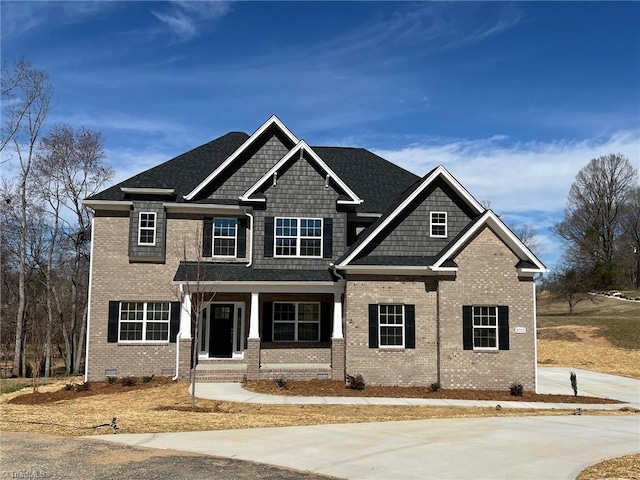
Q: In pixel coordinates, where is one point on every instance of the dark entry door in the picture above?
(221, 331)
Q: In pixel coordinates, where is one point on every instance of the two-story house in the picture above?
(306, 262)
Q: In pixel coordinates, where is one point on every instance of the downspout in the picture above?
(535, 335)
(250, 240)
(86, 352)
(178, 336)
(333, 268)
(438, 347)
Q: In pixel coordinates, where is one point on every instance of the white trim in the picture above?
(250, 232)
(273, 120)
(148, 191)
(86, 351)
(399, 270)
(108, 204)
(440, 171)
(300, 148)
(238, 307)
(267, 287)
(535, 339)
(254, 316)
(206, 208)
(140, 228)
(337, 316)
(492, 220)
(438, 224)
(297, 237)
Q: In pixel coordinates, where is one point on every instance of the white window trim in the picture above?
(213, 239)
(140, 228)
(432, 224)
(380, 325)
(144, 323)
(296, 322)
(473, 324)
(298, 238)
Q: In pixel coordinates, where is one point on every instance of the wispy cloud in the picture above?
(186, 20)
(124, 122)
(19, 18)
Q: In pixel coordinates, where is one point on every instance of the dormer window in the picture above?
(147, 228)
(439, 224)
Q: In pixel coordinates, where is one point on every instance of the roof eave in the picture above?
(118, 205)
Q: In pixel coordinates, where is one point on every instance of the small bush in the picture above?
(128, 381)
(355, 382)
(147, 379)
(516, 389)
(282, 383)
(112, 380)
(68, 386)
(574, 382)
(434, 387)
(82, 387)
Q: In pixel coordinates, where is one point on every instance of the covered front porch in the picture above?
(264, 330)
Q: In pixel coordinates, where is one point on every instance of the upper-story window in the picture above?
(298, 237)
(147, 228)
(224, 237)
(439, 224)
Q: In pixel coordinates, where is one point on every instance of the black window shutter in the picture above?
(267, 321)
(242, 239)
(373, 325)
(174, 323)
(207, 237)
(503, 327)
(467, 327)
(112, 326)
(325, 321)
(268, 237)
(409, 326)
(327, 238)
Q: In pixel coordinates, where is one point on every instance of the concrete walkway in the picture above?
(557, 447)
(550, 380)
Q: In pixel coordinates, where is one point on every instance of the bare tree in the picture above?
(71, 168)
(570, 285)
(26, 94)
(527, 235)
(592, 221)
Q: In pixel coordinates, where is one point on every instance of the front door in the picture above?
(221, 331)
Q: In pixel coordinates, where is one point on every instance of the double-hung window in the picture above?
(144, 321)
(485, 328)
(439, 224)
(147, 228)
(296, 322)
(224, 237)
(298, 237)
(391, 324)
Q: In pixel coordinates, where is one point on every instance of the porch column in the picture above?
(254, 319)
(185, 317)
(337, 316)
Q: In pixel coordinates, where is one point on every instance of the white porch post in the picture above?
(337, 316)
(185, 317)
(254, 324)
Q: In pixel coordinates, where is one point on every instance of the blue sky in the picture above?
(512, 98)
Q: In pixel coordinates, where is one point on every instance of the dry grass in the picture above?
(616, 361)
(627, 467)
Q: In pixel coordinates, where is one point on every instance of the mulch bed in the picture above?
(335, 388)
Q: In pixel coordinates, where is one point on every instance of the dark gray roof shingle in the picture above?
(234, 272)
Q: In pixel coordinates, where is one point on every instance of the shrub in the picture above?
(574, 383)
(434, 387)
(128, 381)
(82, 387)
(282, 382)
(147, 379)
(68, 386)
(516, 389)
(112, 380)
(355, 382)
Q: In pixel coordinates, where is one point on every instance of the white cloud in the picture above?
(522, 177)
(123, 122)
(187, 19)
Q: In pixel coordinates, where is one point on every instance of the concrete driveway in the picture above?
(482, 448)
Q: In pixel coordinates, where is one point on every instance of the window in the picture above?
(439, 224)
(144, 321)
(298, 237)
(391, 325)
(147, 228)
(224, 237)
(296, 322)
(485, 328)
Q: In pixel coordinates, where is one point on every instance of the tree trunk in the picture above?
(77, 367)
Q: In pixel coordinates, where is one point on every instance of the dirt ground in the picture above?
(621, 468)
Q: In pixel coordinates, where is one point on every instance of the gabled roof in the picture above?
(182, 173)
(297, 152)
(528, 263)
(402, 204)
(271, 122)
